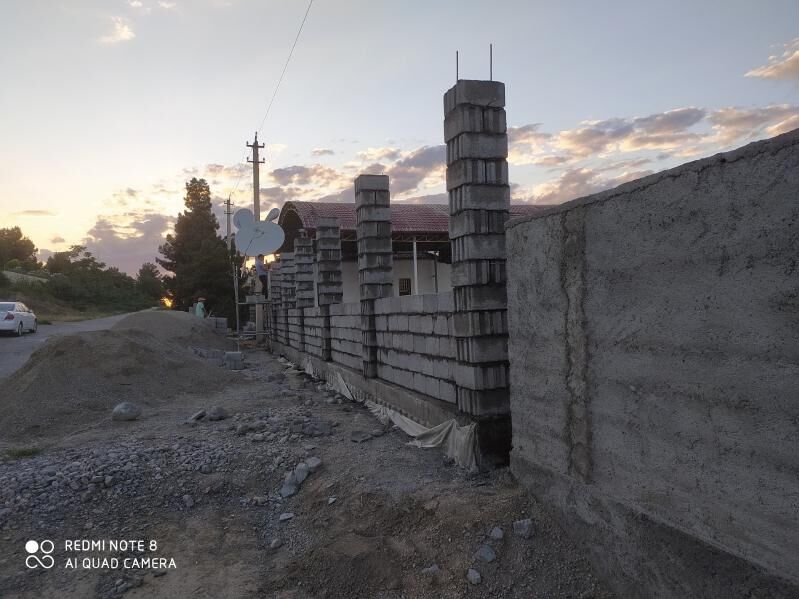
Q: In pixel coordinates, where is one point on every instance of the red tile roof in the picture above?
(405, 218)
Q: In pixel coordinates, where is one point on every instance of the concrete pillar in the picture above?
(375, 258)
(287, 291)
(479, 202)
(275, 297)
(303, 279)
(329, 282)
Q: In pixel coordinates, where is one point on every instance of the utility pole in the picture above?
(256, 210)
(228, 212)
(256, 186)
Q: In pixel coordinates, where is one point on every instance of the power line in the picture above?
(277, 87)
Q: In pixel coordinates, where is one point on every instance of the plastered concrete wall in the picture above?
(416, 346)
(654, 360)
(402, 269)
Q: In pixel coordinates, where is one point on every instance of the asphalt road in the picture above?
(15, 351)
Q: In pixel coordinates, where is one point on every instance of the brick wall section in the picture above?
(479, 201)
(303, 281)
(276, 299)
(345, 332)
(416, 346)
(375, 258)
(329, 281)
(313, 331)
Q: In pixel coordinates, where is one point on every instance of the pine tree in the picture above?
(197, 257)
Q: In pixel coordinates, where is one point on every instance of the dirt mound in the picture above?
(73, 381)
(174, 327)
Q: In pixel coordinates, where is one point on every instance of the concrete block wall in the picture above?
(654, 369)
(416, 348)
(313, 331)
(346, 343)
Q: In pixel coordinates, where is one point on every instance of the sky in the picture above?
(108, 107)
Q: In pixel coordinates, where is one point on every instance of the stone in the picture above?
(434, 569)
(206, 469)
(473, 576)
(218, 413)
(331, 500)
(496, 533)
(275, 544)
(260, 500)
(290, 486)
(301, 473)
(257, 438)
(360, 436)
(523, 528)
(125, 411)
(313, 463)
(485, 554)
(188, 501)
(197, 416)
(286, 516)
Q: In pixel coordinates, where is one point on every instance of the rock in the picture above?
(275, 544)
(434, 569)
(206, 469)
(243, 429)
(197, 416)
(496, 533)
(188, 501)
(301, 472)
(360, 436)
(218, 413)
(290, 486)
(260, 500)
(473, 576)
(126, 411)
(258, 438)
(331, 500)
(313, 463)
(523, 528)
(485, 554)
(108, 481)
(286, 516)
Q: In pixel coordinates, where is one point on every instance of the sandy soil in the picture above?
(208, 493)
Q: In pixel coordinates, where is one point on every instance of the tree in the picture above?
(15, 246)
(149, 281)
(196, 256)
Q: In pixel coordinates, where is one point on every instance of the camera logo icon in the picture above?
(39, 554)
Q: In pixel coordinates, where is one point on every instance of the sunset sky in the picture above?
(107, 107)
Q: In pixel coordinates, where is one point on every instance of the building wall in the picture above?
(654, 370)
(402, 269)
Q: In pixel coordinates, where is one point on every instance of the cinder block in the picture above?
(477, 145)
(476, 92)
(474, 119)
(483, 297)
(482, 349)
(477, 171)
(478, 247)
(479, 272)
(478, 222)
(371, 183)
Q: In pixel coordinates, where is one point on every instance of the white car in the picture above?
(17, 318)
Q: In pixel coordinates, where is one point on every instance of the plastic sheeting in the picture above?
(457, 442)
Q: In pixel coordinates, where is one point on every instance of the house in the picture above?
(420, 239)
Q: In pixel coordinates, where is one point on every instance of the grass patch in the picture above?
(20, 453)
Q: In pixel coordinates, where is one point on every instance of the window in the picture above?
(404, 286)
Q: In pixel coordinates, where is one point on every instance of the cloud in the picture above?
(576, 183)
(409, 172)
(322, 152)
(129, 241)
(167, 5)
(784, 66)
(34, 213)
(377, 154)
(315, 174)
(57, 239)
(122, 32)
(733, 124)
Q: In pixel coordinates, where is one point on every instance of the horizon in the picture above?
(117, 104)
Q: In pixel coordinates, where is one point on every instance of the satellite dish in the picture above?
(273, 214)
(255, 238)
